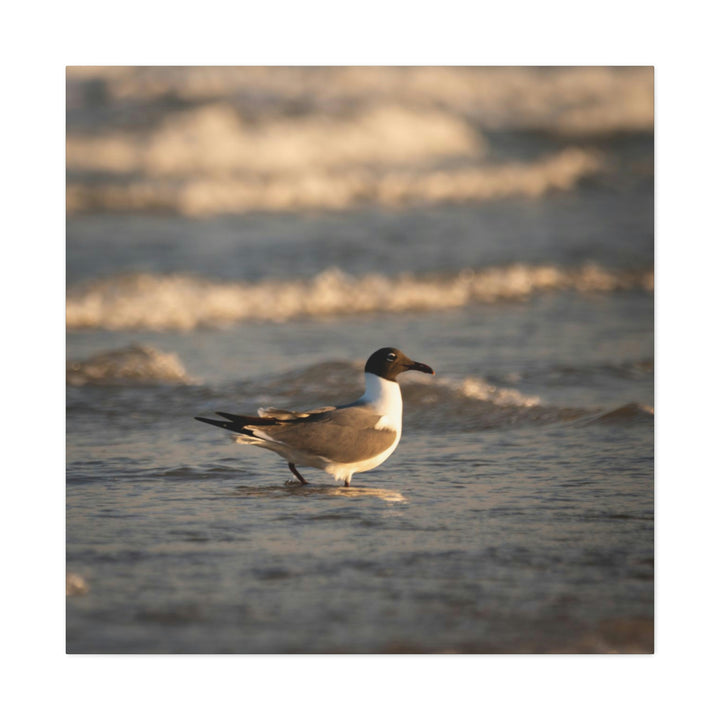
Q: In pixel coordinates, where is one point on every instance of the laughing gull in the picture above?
(341, 440)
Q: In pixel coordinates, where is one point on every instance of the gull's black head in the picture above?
(389, 362)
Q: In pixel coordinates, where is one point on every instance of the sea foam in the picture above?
(183, 302)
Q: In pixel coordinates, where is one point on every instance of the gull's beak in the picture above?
(420, 367)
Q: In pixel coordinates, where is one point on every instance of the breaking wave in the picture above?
(133, 365)
(214, 139)
(319, 188)
(469, 403)
(473, 403)
(627, 413)
(182, 302)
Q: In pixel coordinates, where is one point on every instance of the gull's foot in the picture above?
(300, 479)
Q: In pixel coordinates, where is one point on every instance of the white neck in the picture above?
(385, 397)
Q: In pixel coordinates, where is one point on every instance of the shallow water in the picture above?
(515, 521)
(516, 515)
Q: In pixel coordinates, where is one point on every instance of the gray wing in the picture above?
(344, 435)
(280, 414)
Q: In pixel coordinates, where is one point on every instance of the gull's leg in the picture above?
(347, 481)
(297, 474)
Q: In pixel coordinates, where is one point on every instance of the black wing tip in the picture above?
(237, 423)
(212, 421)
(230, 416)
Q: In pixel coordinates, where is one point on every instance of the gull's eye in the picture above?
(391, 357)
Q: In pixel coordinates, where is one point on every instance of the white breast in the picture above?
(385, 398)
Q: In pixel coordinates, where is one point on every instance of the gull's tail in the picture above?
(242, 424)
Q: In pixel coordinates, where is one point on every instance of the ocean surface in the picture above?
(508, 246)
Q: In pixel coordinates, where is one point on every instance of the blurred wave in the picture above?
(318, 189)
(215, 139)
(162, 302)
(570, 100)
(202, 141)
(136, 364)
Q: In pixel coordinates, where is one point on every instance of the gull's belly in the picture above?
(342, 471)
